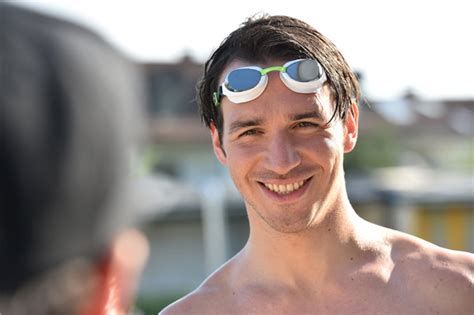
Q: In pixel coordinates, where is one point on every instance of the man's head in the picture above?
(277, 37)
(68, 123)
(284, 148)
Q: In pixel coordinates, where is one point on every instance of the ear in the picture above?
(351, 128)
(217, 146)
(118, 274)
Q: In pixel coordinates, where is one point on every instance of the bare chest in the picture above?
(361, 301)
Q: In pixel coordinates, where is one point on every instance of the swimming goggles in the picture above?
(247, 83)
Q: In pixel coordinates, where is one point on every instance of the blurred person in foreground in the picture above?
(68, 124)
(282, 107)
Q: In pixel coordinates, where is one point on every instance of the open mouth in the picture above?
(285, 189)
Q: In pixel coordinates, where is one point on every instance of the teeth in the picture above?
(285, 189)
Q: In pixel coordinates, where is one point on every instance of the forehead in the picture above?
(277, 101)
(278, 104)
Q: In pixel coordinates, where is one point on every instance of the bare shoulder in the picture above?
(211, 297)
(200, 301)
(420, 254)
(439, 275)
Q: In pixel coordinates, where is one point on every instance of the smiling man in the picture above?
(281, 105)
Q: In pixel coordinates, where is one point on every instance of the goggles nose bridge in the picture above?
(274, 68)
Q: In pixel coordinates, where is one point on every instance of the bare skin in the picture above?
(401, 275)
(308, 252)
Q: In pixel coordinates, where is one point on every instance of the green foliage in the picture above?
(374, 150)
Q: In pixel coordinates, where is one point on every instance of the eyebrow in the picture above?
(312, 114)
(239, 124)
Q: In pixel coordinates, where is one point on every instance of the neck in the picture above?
(318, 252)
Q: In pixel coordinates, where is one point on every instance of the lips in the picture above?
(288, 192)
(284, 189)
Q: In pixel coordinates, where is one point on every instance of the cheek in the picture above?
(242, 162)
(240, 167)
(244, 151)
(324, 149)
(240, 158)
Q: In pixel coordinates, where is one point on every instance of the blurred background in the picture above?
(412, 170)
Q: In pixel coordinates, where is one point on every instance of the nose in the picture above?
(281, 155)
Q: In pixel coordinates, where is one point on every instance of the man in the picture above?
(281, 105)
(68, 124)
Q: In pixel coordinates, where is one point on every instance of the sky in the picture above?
(418, 45)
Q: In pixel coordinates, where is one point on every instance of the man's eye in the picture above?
(305, 124)
(249, 132)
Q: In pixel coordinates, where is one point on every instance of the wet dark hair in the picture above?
(260, 39)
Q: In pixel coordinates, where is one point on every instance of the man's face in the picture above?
(284, 160)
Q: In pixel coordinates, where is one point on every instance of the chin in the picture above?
(286, 219)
